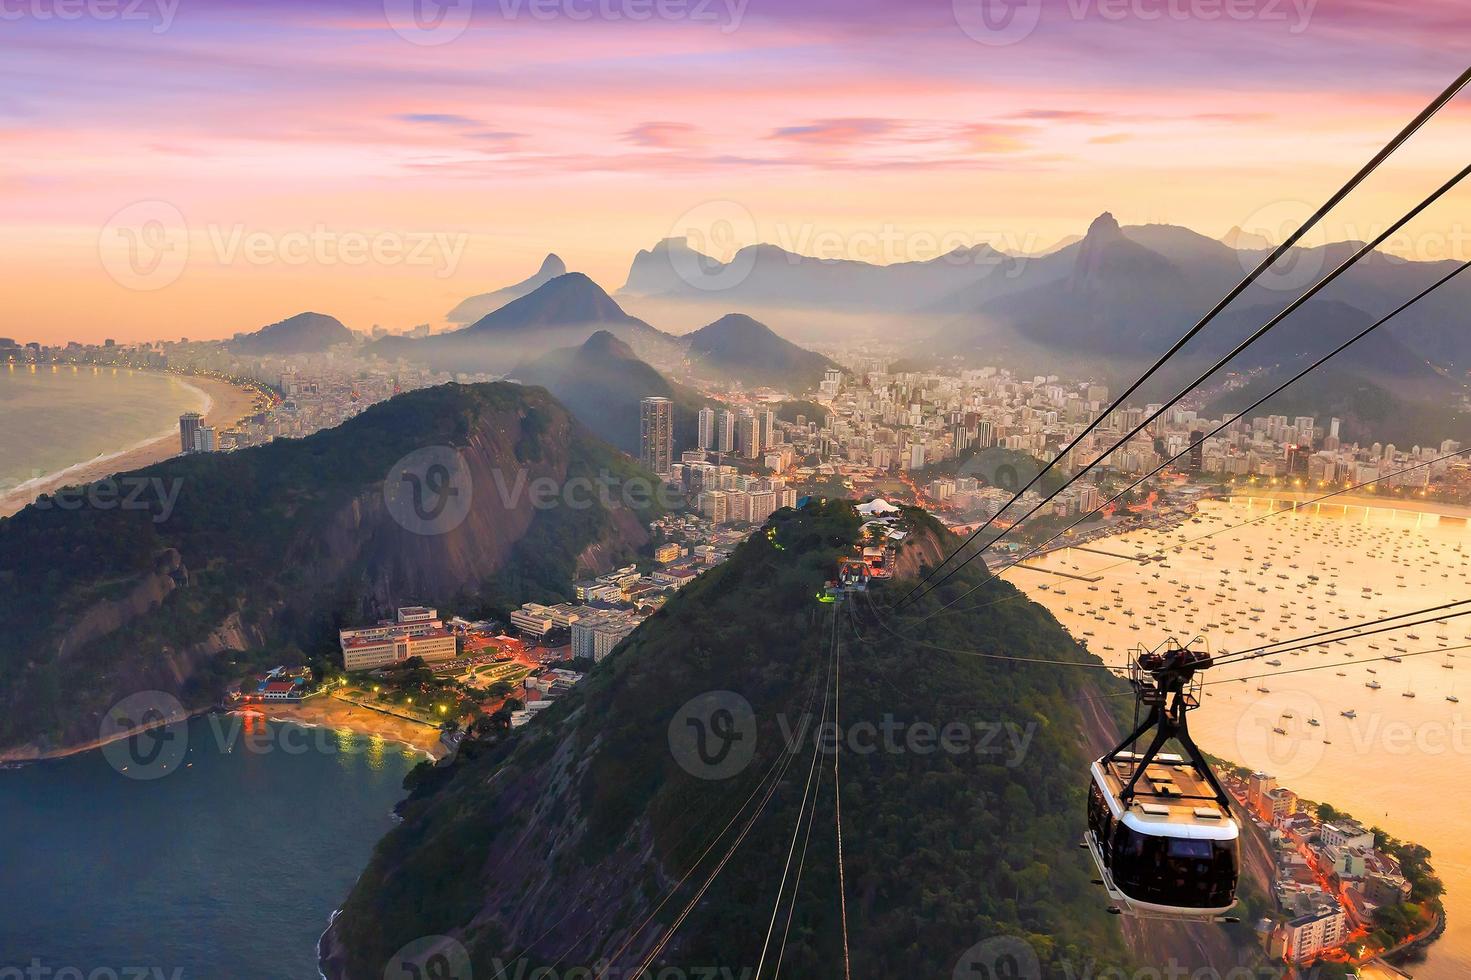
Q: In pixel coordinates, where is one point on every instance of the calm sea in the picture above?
(1403, 763)
(55, 418)
(227, 866)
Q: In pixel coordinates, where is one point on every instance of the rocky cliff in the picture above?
(436, 495)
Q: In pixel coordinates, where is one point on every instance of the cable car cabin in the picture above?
(1172, 853)
(853, 575)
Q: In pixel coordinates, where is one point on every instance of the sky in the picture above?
(180, 168)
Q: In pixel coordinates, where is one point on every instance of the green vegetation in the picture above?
(275, 548)
(788, 411)
(603, 382)
(1010, 469)
(942, 848)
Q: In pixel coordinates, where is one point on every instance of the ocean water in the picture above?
(227, 866)
(55, 418)
(1403, 763)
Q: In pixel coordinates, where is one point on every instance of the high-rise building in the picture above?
(656, 434)
(748, 435)
(1197, 451)
(706, 438)
(768, 429)
(725, 432)
(189, 424)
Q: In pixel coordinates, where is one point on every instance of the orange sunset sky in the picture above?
(339, 158)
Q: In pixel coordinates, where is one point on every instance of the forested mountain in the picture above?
(562, 312)
(471, 309)
(589, 833)
(305, 333)
(603, 382)
(736, 347)
(160, 579)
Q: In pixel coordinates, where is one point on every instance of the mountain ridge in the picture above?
(304, 333)
(740, 347)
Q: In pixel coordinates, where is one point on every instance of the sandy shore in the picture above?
(333, 713)
(226, 405)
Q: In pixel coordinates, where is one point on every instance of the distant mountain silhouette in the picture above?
(1246, 241)
(761, 275)
(472, 309)
(1089, 298)
(305, 333)
(603, 382)
(562, 312)
(739, 348)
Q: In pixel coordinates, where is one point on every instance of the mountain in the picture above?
(587, 834)
(472, 309)
(603, 382)
(1242, 240)
(768, 275)
(258, 553)
(562, 312)
(305, 333)
(1106, 293)
(742, 349)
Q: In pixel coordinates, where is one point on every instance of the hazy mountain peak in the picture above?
(571, 298)
(1245, 241)
(304, 333)
(739, 324)
(472, 309)
(603, 344)
(1104, 226)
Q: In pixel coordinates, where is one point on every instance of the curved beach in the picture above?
(222, 404)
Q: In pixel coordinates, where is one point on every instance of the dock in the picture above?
(1052, 571)
(1140, 557)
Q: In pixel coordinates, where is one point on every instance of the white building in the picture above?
(417, 632)
(535, 619)
(595, 634)
(1311, 935)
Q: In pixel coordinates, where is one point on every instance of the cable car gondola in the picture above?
(1159, 825)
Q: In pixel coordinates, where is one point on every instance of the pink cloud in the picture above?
(663, 135)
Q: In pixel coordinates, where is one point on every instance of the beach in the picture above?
(222, 404)
(330, 712)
